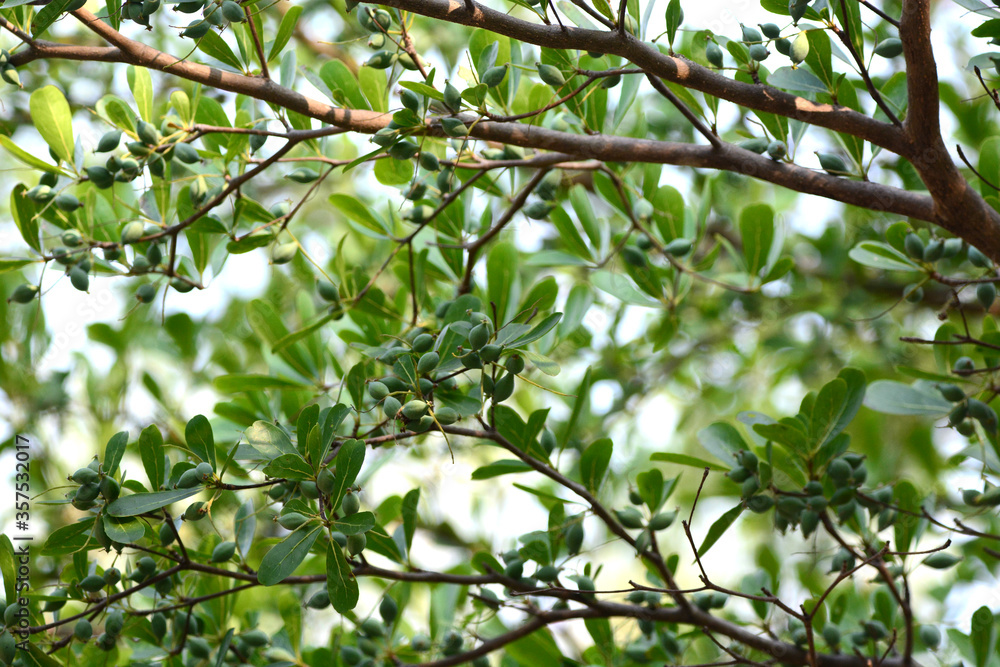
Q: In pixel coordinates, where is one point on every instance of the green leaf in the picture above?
(330, 420)
(881, 256)
(341, 583)
(361, 522)
(350, 458)
(245, 526)
(285, 30)
(7, 567)
(594, 463)
(907, 498)
(141, 84)
(124, 529)
(220, 656)
(836, 405)
(212, 44)
(757, 232)
(23, 211)
(269, 440)
(538, 649)
(622, 288)
(501, 277)
(140, 503)
(722, 441)
(983, 635)
(393, 172)
(343, 84)
(8, 265)
(114, 451)
(52, 118)
(718, 528)
(69, 539)
(685, 460)
(289, 466)
(284, 557)
(501, 467)
(151, 453)
(798, 80)
(356, 211)
(409, 513)
(199, 437)
(674, 17)
(47, 15)
(239, 382)
(896, 398)
(989, 165)
(540, 330)
(27, 158)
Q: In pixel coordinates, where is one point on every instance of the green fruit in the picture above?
(799, 49)
(24, 293)
(832, 164)
(739, 474)
(350, 504)
(67, 202)
(777, 149)
(663, 520)
(930, 636)
(223, 552)
(233, 12)
(574, 537)
(808, 522)
(146, 565)
(759, 52)
(92, 583)
(255, 638)
(381, 60)
(941, 560)
(71, 238)
(537, 210)
(839, 471)
(452, 97)
(114, 623)
(159, 625)
(292, 520)
(494, 76)
(415, 409)
(356, 543)
(147, 133)
(391, 406)
(430, 162)
(388, 609)
(934, 250)
(283, 253)
(714, 55)
(629, 517)
(188, 480)
(428, 362)
(40, 194)
(550, 75)
(951, 392)
(889, 48)
(479, 336)
(319, 600)
(204, 470)
(350, 655)
(986, 293)
(109, 141)
(132, 232)
(9, 74)
(453, 127)
(302, 175)
(770, 30)
(423, 343)
(100, 177)
(112, 576)
(186, 153)
(85, 476)
(328, 291)
(914, 246)
(309, 489)
(446, 416)
(403, 150)
(193, 512)
(504, 388)
(760, 504)
(377, 390)
(490, 353)
(199, 647)
(420, 643)
(977, 258)
(88, 492)
(750, 35)
(83, 630)
(411, 100)
(634, 256)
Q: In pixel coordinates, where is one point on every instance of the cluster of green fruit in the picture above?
(547, 189)
(966, 408)
(374, 637)
(844, 476)
(7, 71)
(215, 13)
(658, 643)
(378, 22)
(870, 631)
(94, 486)
(921, 247)
(153, 148)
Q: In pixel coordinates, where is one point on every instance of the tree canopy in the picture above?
(522, 333)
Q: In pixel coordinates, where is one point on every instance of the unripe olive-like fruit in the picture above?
(914, 246)
(112, 576)
(356, 543)
(986, 293)
(713, 53)
(490, 353)
(428, 362)
(159, 623)
(377, 390)
(110, 489)
(199, 647)
(839, 471)
(350, 504)
(479, 335)
(223, 552)
(663, 520)
(350, 655)
(292, 520)
(233, 12)
(193, 512)
(951, 392)
(189, 479)
(930, 635)
(114, 623)
(83, 630)
(423, 343)
(84, 476)
(92, 583)
(283, 253)
(24, 293)
(388, 609)
(88, 492)
(309, 489)
(146, 293)
(415, 409)
(977, 258)
(325, 481)
(629, 517)
(574, 537)
(319, 600)
(420, 643)
(391, 406)
(446, 415)
(255, 638)
(167, 535)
